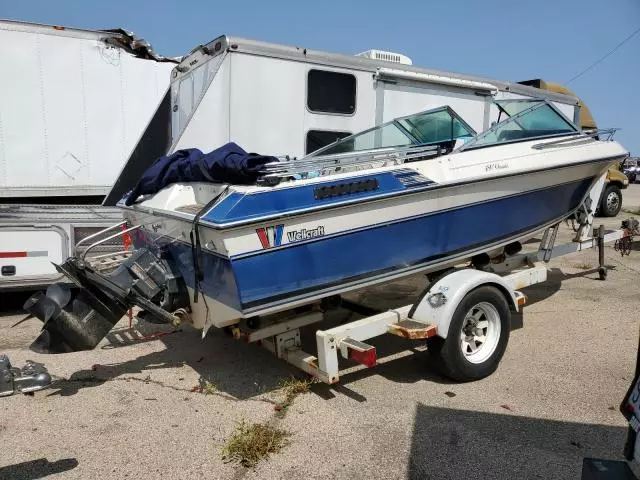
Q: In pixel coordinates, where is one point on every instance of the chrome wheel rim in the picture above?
(480, 332)
(612, 201)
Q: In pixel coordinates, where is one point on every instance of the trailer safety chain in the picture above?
(624, 244)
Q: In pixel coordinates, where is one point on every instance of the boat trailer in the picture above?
(464, 315)
(454, 314)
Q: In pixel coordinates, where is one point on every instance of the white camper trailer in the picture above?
(73, 104)
(274, 99)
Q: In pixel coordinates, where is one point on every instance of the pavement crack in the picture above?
(149, 381)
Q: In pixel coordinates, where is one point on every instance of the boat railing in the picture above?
(605, 134)
(275, 172)
(99, 233)
(106, 239)
(101, 239)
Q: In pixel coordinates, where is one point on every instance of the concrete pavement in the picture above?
(126, 409)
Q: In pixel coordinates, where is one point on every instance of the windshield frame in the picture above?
(397, 124)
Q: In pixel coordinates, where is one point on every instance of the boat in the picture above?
(420, 193)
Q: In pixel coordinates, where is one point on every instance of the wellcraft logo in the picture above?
(272, 236)
(305, 234)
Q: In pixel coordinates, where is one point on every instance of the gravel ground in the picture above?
(126, 409)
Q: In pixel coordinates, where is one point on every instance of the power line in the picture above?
(605, 56)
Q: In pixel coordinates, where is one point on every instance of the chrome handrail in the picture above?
(97, 234)
(106, 239)
(392, 155)
(608, 132)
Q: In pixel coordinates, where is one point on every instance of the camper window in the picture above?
(331, 92)
(321, 138)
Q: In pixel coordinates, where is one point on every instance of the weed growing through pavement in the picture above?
(251, 443)
(207, 387)
(292, 387)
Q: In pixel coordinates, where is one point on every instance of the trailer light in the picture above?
(359, 352)
(522, 299)
(367, 358)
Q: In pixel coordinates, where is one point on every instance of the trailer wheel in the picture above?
(478, 336)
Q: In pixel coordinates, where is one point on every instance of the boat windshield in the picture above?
(440, 126)
(526, 119)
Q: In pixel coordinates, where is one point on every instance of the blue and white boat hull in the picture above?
(255, 262)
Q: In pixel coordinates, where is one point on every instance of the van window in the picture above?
(321, 138)
(331, 92)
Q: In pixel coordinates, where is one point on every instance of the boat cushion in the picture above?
(227, 164)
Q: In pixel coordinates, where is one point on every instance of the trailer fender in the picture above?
(437, 304)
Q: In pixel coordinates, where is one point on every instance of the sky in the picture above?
(506, 40)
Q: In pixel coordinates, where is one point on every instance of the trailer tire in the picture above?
(484, 310)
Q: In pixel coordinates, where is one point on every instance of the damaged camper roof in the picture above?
(117, 37)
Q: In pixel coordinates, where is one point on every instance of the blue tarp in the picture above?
(227, 164)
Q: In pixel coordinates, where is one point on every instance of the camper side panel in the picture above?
(267, 104)
(71, 111)
(405, 99)
(200, 110)
(319, 124)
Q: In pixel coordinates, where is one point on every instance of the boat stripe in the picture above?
(242, 208)
(393, 221)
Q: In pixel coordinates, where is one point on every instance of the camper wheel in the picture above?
(477, 338)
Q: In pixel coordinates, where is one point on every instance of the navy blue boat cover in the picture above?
(227, 164)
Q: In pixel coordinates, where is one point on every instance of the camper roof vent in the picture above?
(386, 56)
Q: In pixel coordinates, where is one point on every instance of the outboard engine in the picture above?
(78, 319)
